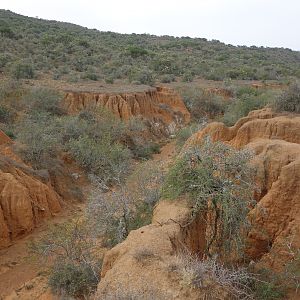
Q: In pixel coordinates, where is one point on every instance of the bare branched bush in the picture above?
(110, 215)
(213, 277)
(145, 183)
(115, 213)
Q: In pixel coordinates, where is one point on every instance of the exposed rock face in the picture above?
(162, 107)
(275, 140)
(26, 197)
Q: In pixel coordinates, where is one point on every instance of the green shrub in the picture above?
(240, 107)
(135, 51)
(9, 132)
(217, 179)
(145, 151)
(246, 90)
(22, 70)
(104, 123)
(73, 127)
(291, 272)
(183, 134)
(167, 78)
(201, 103)
(109, 161)
(187, 77)
(7, 115)
(73, 78)
(4, 59)
(289, 100)
(109, 80)
(91, 76)
(144, 76)
(268, 291)
(6, 31)
(38, 139)
(75, 268)
(269, 285)
(44, 100)
(73, 280)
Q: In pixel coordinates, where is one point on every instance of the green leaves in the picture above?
(218, 181)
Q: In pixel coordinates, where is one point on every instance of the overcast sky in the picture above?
(239, 22)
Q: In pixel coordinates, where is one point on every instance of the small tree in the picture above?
(44, 100)
(38, 139)
(114, 214)
(289, 100)
(75, 270)
(110, 214)
(107, 160)
(219, 182)
(22, 70)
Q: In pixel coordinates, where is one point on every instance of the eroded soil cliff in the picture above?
(26, 196)
(161, 107)
(275, 140)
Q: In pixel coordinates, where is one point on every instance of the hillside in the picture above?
(146, 167)
(31, 47)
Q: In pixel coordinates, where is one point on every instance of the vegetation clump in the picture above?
(201, 103)
(218, 180)
(22, 70)
(115, 214)
(92, 54)
(76, 269)
(289, 100)
(213, 278)
(246, 99)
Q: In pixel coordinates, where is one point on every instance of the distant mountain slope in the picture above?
(30, 46)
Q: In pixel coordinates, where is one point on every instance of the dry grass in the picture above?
(212, 277)
(142, 255)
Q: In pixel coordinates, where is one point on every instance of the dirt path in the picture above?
(19, 271)
(21, 277)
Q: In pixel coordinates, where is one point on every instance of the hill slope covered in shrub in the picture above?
(31, 46)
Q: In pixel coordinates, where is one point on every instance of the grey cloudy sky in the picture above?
(239, 22)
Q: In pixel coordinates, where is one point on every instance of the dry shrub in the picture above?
(213, 277)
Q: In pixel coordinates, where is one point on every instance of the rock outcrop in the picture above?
(26, 196)
(163, 108)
